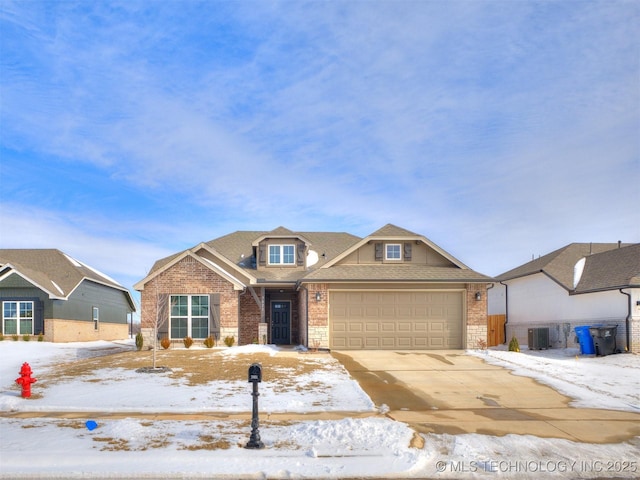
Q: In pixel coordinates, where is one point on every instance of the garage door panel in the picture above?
(355, 327)
(388, 342)
(372, 327)
(396, 320)
(387, 327)
(372, 311)
(339, 327)
(420, 327)
(405, 327)
(420, 342)
(436, 327)
(372, 342)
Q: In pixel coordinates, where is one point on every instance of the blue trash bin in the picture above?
(586, 340)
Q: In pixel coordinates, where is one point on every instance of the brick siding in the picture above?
(190, 277)
(318, 314)
(476, 316)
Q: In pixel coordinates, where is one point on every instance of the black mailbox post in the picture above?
(255, 377)
(255, 373)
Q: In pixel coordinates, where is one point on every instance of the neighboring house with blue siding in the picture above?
(46, 291)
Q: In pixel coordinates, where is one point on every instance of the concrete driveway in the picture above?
(450, 392)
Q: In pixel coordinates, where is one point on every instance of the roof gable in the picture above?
(167, 263)
(390, 230)
(235, 254)
(54, 272)
(559, 264)
(393, 233)
(614, 269)
(280, 232)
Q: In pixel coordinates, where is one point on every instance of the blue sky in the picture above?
(498, 129)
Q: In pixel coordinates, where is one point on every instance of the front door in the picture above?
(281, 323)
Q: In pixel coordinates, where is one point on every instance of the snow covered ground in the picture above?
(374, 446)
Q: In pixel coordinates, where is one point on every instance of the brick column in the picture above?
(476, 315)
(318, 311)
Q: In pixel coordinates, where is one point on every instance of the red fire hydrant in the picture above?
(26, 380)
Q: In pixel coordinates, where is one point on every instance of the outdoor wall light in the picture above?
(478, 296)
(318, 296)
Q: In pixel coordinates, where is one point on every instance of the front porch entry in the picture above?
(281, 323)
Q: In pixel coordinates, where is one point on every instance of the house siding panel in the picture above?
(112, 303)
(538, 301)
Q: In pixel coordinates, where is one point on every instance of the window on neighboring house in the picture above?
(96, 317)
(282, 254)
(393, 251)
(189, 316)
(17, 318)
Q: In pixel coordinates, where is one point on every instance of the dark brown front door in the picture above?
(281, 323)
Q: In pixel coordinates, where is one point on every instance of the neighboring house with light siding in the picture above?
(393, 289)
(579, 284)
(46, 291)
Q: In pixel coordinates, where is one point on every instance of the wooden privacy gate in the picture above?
(495, 330)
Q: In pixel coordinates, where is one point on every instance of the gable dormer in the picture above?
(281, 248)
(395, 245)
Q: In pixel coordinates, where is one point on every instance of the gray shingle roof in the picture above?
(391, 273)
(237, 248)
(54, 271)
(390, 230)
(559, 264)
(610, 270)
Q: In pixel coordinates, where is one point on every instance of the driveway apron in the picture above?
(450, 392)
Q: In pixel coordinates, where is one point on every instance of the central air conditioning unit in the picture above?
(538, 338)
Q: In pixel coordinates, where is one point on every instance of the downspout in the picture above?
(306, 311)
(487, 310)
(306, 301)
(627, 319)
(506, 310)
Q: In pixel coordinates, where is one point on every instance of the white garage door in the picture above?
(420, 320)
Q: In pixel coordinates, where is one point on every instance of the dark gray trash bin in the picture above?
(604, 339)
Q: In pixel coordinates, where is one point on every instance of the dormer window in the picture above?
(282, 254)
(392, 251)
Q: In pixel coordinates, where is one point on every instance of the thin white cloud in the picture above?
(458, 118)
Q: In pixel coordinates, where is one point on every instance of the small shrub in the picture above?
(514, 346)
(40, 337)
(264, 339)
(229, 341)
(1, 337)
(208, 342)
(139, 341)
(482, 344)
(26, 337)
(188, 341)
(15, 337)
(165, 342)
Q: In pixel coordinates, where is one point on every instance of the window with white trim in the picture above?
(17, 318)
(189, 316)
(392, 251)
(282, 254)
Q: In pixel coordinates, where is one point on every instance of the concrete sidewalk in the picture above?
(450, 392)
